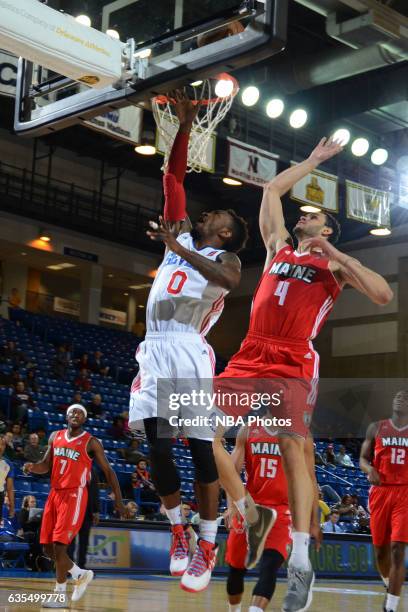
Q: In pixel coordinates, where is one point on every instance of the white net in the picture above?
(218, 94)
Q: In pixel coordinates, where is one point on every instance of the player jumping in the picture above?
(384, 458)
(69, 457)
(187, 297)
(294, 298)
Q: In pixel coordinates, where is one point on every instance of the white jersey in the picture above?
(181, 299)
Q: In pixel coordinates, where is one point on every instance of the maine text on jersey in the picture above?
(61, 451)
(265, 448)
(288, 270)
(393, 441)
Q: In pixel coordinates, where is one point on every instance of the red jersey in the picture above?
(71, 464)
(266, 481)
(391, 453)
(295, 296)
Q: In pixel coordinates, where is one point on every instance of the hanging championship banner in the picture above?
(250, 164)
(317, 189)
(367, 204)
(108, 315)
(123, 124)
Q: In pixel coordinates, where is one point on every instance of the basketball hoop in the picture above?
(215, 96)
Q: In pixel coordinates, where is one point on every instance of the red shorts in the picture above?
(63, 515)
(269, 365)
(388, 507)
(279, 539)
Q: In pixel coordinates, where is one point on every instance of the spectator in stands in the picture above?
(6, 481)
(10, 351)
(329, 455)
(132, 454)
(9, 452)
(17, 441)
(141, 480)
(29, 519)
(95, 408)
(133, 510)
(61, 363)
(346, 508)
(324, 510)
(76, 399)
(91, 518)
(186, 512)
(83, 362)
(343, 459)
(42, 436)
(31, 381)
(318, 457)
(33, 452)
(82, 382)
(98, 365)
(331, 526)
(20, 402)
(118, 431)
(361, 511)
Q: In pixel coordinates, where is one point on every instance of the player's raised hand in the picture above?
(186, 109)
(326, 149)
(163, 232)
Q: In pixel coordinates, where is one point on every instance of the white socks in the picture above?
(208, 530)
(175, 516)
(247, 509)
(234, 607)
(60, 587)
(76, 571)
(391, 603)
(299, 557)
(386, 581)
(255, 609)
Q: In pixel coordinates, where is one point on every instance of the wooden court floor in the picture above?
(165, 595)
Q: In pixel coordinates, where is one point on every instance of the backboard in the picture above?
(161, 54)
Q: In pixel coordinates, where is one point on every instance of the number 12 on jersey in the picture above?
(282, 291)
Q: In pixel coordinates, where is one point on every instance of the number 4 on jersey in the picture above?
(282, 291)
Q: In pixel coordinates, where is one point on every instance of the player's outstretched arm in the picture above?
(45, 465)
(175, 210)
(350, 271)
(271, 218)
(95, 447)
(367, 454)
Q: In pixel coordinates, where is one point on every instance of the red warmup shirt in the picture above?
(391, 453)
(266, 480)
(294, 296)
(71, 464)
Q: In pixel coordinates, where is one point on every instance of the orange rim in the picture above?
(223, 76)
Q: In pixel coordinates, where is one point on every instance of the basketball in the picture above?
(231, 29)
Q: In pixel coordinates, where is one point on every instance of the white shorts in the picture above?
(171, 364)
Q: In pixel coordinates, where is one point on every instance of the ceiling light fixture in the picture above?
(145, 149)
(360, 147)
(298, 118)
(275, 108)
(84, 20)
(310, 209)
(250, 95)
(113, 34)
(232, 182)
(342, 135)
(379, 157)
(380, 231)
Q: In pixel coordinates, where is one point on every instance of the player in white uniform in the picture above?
(187, 297)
